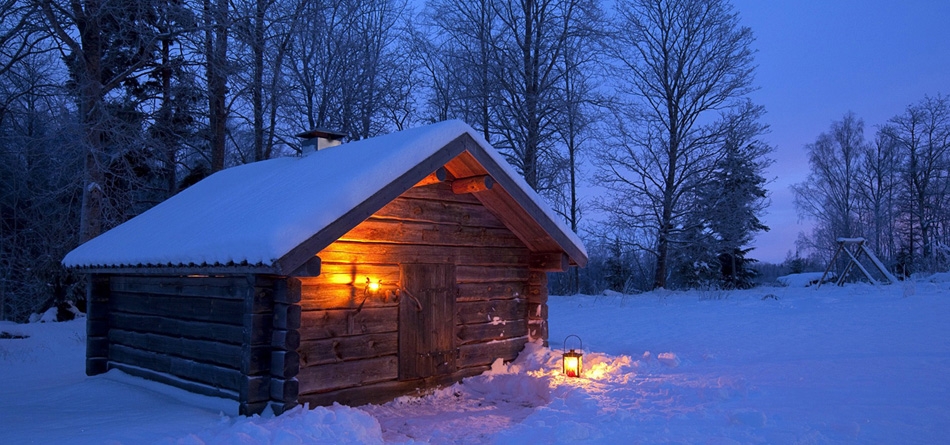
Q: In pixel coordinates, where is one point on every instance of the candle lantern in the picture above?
(573, 361)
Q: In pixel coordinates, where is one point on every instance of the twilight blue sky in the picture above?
(817, 60)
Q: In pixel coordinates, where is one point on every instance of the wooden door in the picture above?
(427, 320)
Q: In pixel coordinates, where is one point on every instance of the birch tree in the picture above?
(922, 135)
(878, 189)
(830, 194)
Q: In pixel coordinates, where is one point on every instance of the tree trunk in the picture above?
(90, 110)
(257, 87)
(216, 40)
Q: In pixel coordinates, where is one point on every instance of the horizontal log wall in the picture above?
(349, 334)
(195, 332)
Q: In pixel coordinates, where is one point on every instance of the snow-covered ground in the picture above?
(858, 364)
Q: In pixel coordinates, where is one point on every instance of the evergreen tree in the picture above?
(736, 197)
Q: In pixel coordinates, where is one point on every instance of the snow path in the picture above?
(858, 364)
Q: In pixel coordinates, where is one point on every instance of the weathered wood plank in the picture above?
(287, 316)
(536, 294)
(287, 291)
(97, 347)
(550, 262)
(481, 354)
(537, 325)
(252, 408)
(344, 296)
(216, 376)
(472, 184)
(98, 295)
(199, 330)
(285, 340)
(284, 364)
(477, 333)
(408, 232)
(469, 312)
(356, 273)
(538, 278)
(255, 389)
(281, 407)
(329, 377)
(500, 290)
(439, 192)
(348, 252)
(335, 350)
(257, 329)
(441, 211)
(205, 287)
(310, 268)
(537, 311)
(220, 354)
(337, 323)
(385, 391)
(338, 296)
(284, 390)
(185, 308)
(98, 288)
(170, 380)
(483, 274)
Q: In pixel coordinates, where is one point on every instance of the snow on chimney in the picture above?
(319, 138)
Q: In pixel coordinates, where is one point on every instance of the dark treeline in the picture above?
(893, 189)
(108, 107)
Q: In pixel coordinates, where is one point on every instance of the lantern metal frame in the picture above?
(577, 357)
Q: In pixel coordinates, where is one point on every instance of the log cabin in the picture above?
(354, 274)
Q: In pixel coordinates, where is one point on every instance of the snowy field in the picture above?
(858, 364)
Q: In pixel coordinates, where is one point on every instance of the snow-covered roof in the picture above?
(260, 214)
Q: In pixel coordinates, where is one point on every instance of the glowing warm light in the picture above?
(598, 373)
(373, 287)
(572, 362)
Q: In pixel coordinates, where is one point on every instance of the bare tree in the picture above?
(262, 36)
(462, 61)
(20, 37)
(681, 62)
(40, 185)
(532, 38)
(878, 186)
(105, 46)
(922, 136)
(347, 66)
(830, 194)
(581, 106)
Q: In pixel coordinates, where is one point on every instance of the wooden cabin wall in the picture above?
(349, 336)
(210, 335)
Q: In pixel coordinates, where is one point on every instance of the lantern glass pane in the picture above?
(573, 364)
